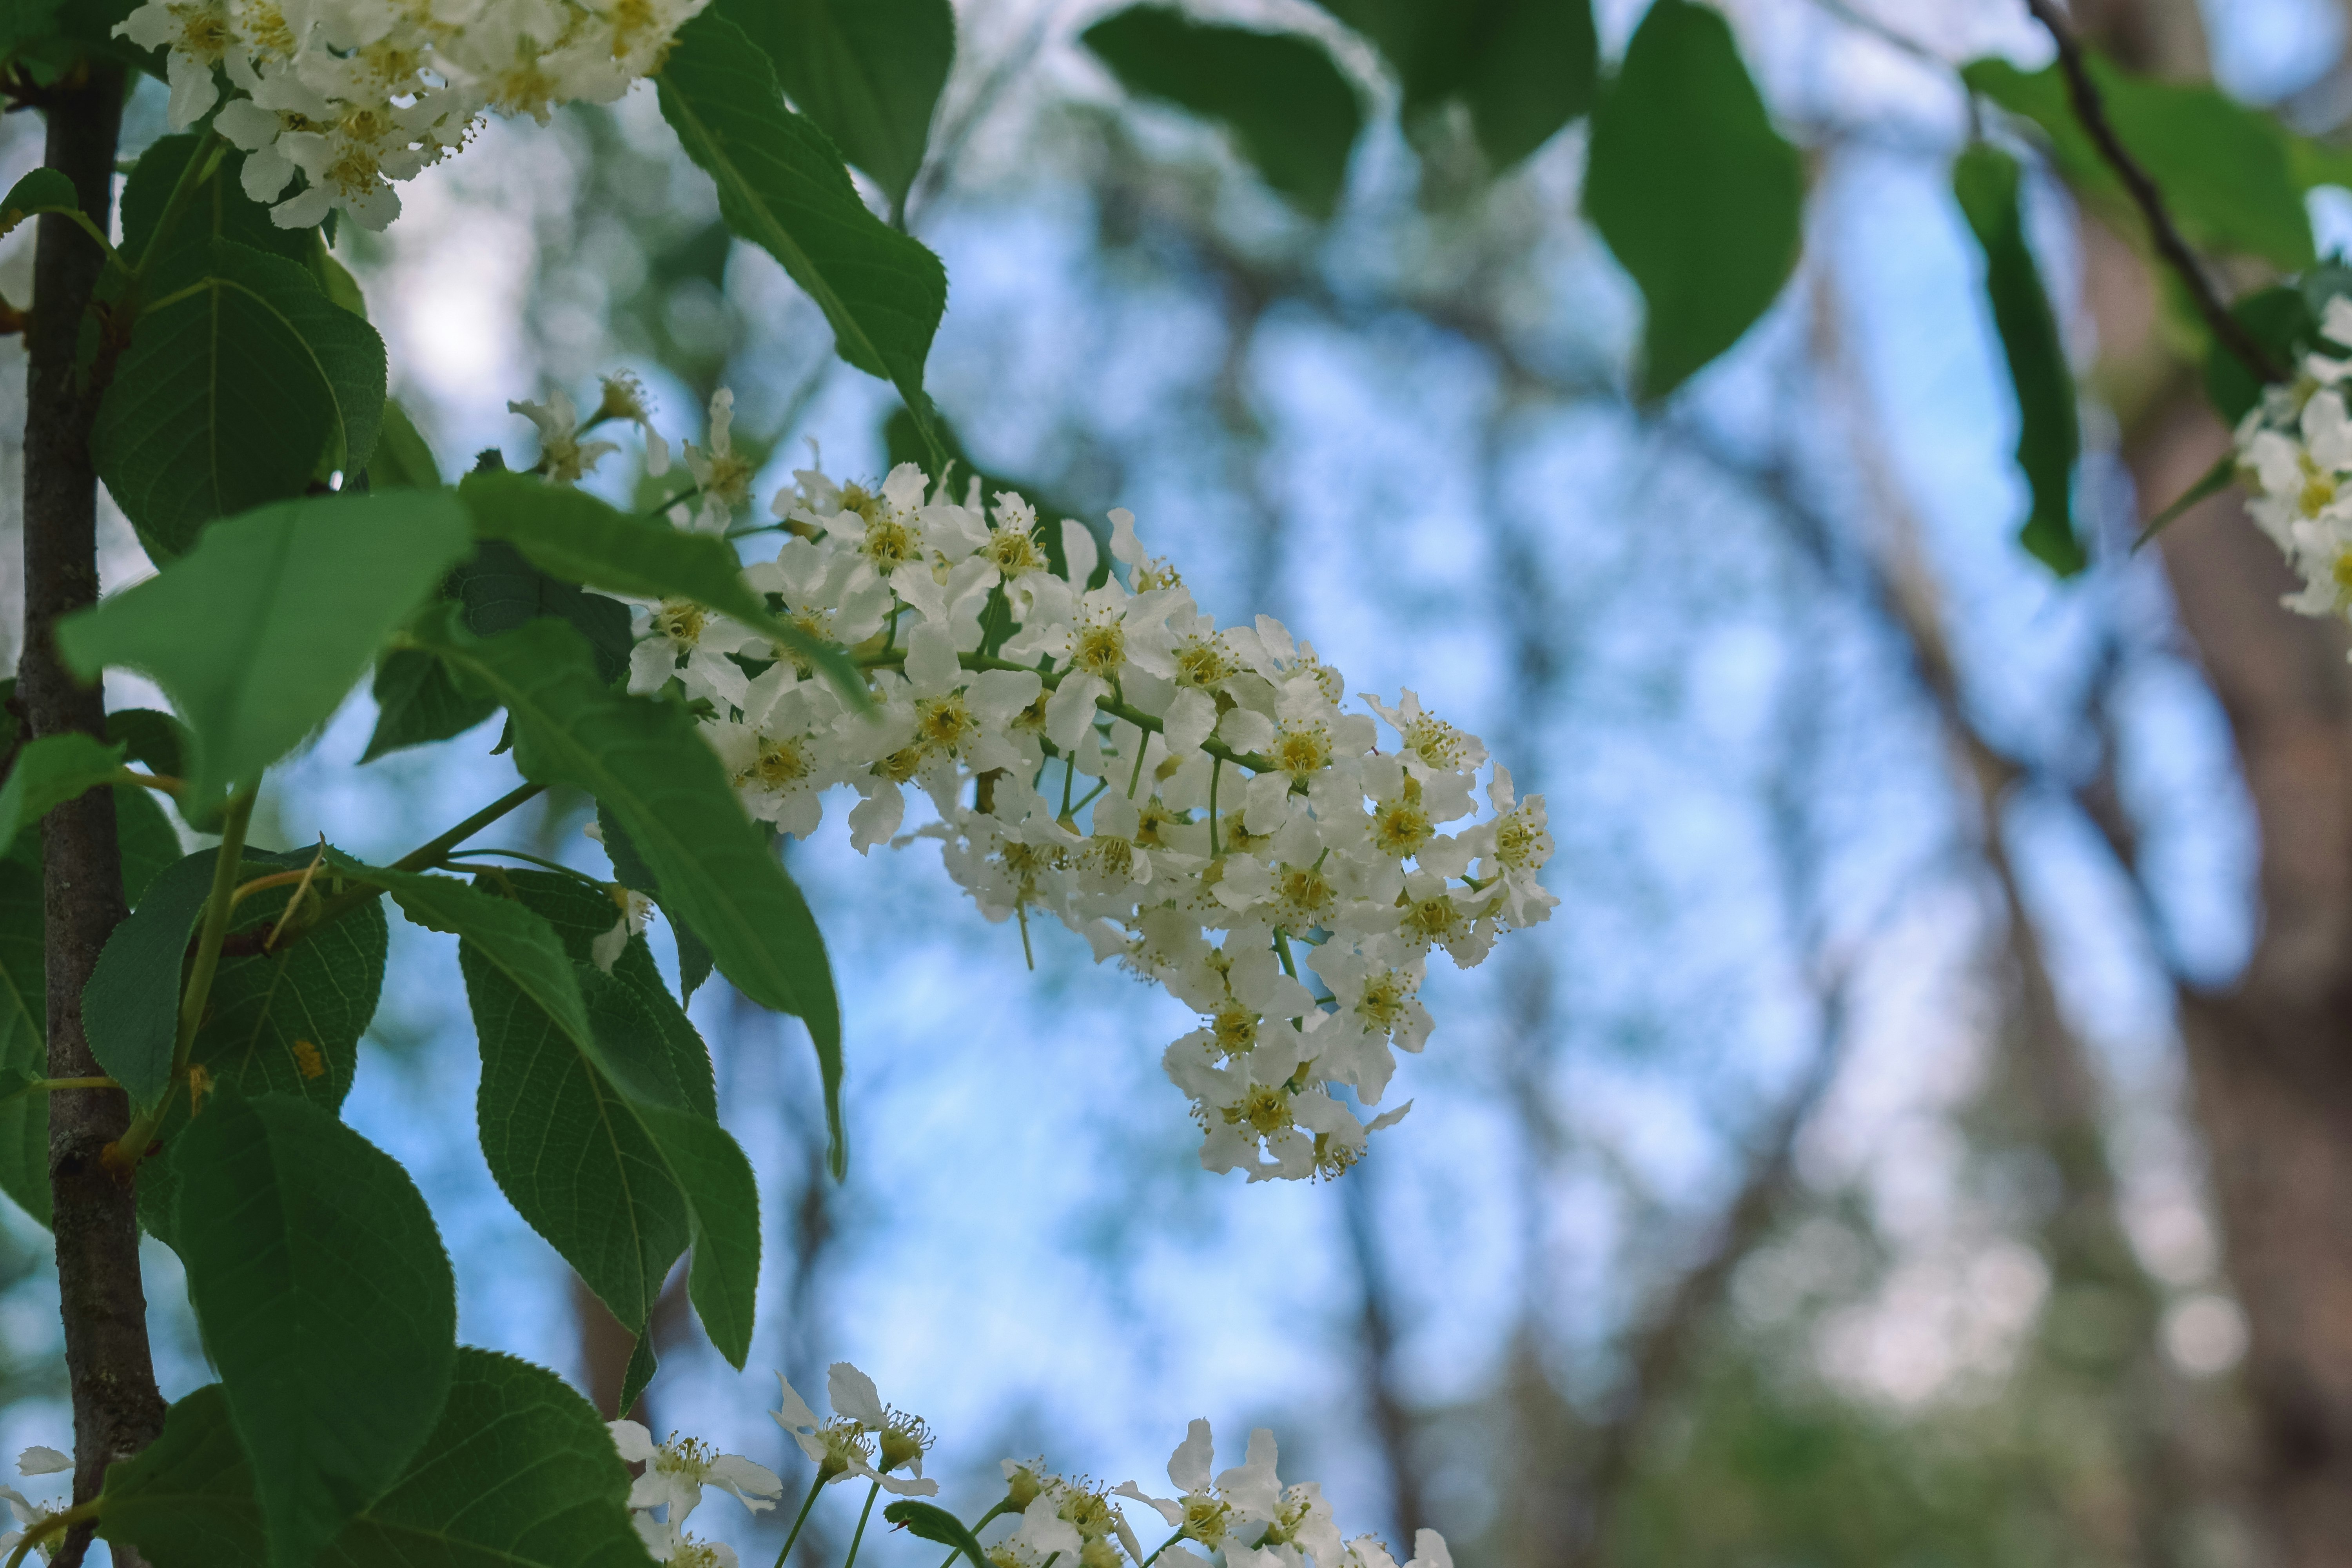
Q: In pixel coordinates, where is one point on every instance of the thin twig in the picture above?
(2092, 111)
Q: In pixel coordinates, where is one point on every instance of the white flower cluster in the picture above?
(355, 94)
(1245, 1516)
(2294, 458)
(1194, 800)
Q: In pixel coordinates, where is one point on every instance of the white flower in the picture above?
(560, 451)
(864, 1434)
(35, 1461)
(669, 1544)
(722, 474)
(635, 907)
(676, 1470)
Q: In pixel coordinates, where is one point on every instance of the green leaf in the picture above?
(1699, 198)
(1525, 67)
(642, 759)
(638, 1375)
(518, 1473)
(291, 1021)
(501, 591)
(630, 869)
(1985, 181)
(149, 842)
(418, 704)
(2283, 319)
(131, 1004)
(723, 1200)
(402, 459)
(867, 72)
(325, 1300)
(48, 773)
(576, 537)
(234, 389)
(2214, 481)
(43, 189)
(154, 740)
(1295, 116)
(25, 24)
(510, 939)
(2224, 168)
(259, 633)
(783, 186)
(935, 1523)
(220, 210)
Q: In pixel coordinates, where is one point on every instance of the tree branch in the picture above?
(117, 1408)
(2092, 111)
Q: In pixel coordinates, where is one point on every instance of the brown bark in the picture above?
(117, 1409)
(2267, 1055)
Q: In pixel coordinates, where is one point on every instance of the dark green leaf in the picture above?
(501, 591)
(867, 72)
(418, 704)
(2224, 168)
(642, 759)
(131, 1006)
(1525, 67)
(935, 1523)
(1699, 198)
(783, 186)
(638, 1375)
(401, 461)
(150, 843)
(156, 740)
(257, 635)
(219, 210)
(43, 188)
(723, 1199)
(576, 537)
(1294, 114)
(1985, 181)
(235, 388)
(2283, 321)
(630, 869)
(518, 1473)
(25, 25)
(48, 773)
(325, 1300)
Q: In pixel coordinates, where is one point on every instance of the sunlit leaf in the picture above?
(868, 72)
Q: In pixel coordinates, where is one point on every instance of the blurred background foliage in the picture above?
(1831, 1182)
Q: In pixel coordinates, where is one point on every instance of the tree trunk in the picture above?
(2270, 1057)
(117, 1410)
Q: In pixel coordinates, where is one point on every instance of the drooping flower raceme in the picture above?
(355, 95)
(1199, 801)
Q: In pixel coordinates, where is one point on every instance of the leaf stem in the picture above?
(164, 784)
(977, 1526)
(1163, 1546)
(417, 859)
(807, 1503)
(872, 1492)
(572, 871)
(41, 1529)
(57, 1085)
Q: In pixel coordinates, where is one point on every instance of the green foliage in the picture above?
(642, 760)
(782, 185)
(612, 1150)
(1700, 199)
(325, 1300)
(629, 866)
(260, 631)
(219, 209)
(1294, 114)
(42, 190)
(2284, 320)
(237, 388)
(867, 72)
(2225, 169)
(24, 23)
(48, 773)
(418, 703)
(1523, 68)
(577, 538)
(131, 1007)
(932, 1522)
(500, 591)
(1985, 181)
(402, 459)
(518, 1473)
(154, 740)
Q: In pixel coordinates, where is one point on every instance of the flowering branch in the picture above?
(2091, 110)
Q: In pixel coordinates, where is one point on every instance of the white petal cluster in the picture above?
(866, 1440)
(2294, 459)
(35, 1461)
(355, 95)
(1197, 801)
(670, 1486)
(1251, 1519)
